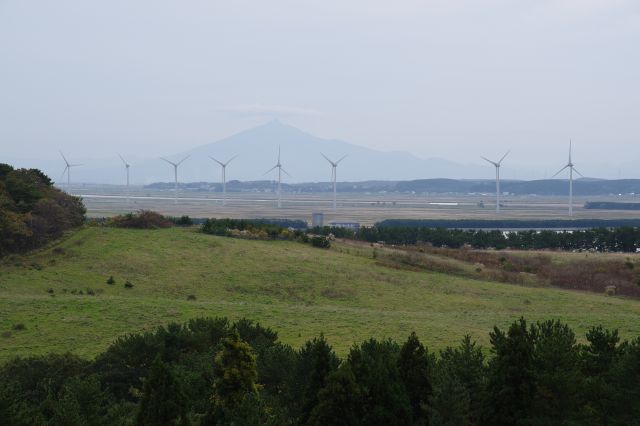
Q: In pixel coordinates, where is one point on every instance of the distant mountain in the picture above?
(257, 150)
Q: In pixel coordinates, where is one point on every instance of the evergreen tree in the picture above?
(163, 402)
(375, 368)
(340, 402)
(235, 373)
(317, 361)
(415, 372)
(460, 367)
(511, 382)
(556, 373)
(598, 358)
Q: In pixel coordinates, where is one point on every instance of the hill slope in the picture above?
(299, 290)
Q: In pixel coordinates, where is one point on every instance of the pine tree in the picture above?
(511, 383)
(415, 373)
(317, 361)
(163, 402)
(340, 401)
(235, 373)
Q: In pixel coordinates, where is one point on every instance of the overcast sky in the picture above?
(452, 79)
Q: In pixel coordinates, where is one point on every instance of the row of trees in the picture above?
(622, 239)
(32, 211)
(210, 371)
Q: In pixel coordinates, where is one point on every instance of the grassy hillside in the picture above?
(299, 290)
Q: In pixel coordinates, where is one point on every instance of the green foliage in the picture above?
(320, 242)
(537, 375)
(32, 211)
(143, 219)
(340, 402)
(235, 372)
(163, 402)
(414, 365)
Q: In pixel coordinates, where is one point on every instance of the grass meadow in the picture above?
(58, 299)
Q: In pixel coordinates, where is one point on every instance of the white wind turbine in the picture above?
(175, 175)
(126, 165)
(497, 165)
(224, 177)
(334, 166)
(572, 169)
(280, 170)
(67, 170)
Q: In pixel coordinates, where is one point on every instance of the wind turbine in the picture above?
(572, 169)
(67, 170)
(497, 165)
(334, 166)
(126, 165)
(280, 170)
(175, 175)
(224, 177)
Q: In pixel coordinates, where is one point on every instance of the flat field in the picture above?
(61, 296)
(365, 208)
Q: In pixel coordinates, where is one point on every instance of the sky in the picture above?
(453, 79)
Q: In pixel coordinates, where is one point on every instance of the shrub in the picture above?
(144, 219)
(49, 290)
(128, 284)
(181, 221)
(321, 242)
(90, 292)
(191, 297)
(110, 280)
(19, 327)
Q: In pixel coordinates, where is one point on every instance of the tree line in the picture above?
(32, 211)
(622, 239)
(210, 371)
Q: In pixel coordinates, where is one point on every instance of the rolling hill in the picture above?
(58, 299)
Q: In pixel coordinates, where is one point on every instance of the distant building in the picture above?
(317, 219)
(349, 225)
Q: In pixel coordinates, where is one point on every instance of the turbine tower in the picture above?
(572, 169)
(334, 166)
(497, 165)
(280, 170)
(67, 170)
(175, 175)
(126, 165)
(224, 177)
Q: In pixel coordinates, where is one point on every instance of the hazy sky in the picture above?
(453, 79)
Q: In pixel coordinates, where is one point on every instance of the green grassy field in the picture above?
(298, 290)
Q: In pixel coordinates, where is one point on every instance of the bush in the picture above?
(181, 221)
(128, 284)
(144, 219)
(191, 297)
(320, 242)
(110, 280)
(19, 327)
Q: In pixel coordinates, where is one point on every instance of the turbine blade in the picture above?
(503, 157)
(569, 151)
(560, 171)
(489, 161)
(278, 154)
(271, 169)
(63, 172)
(170, 162)
(219, 162)
(327, 158)
(576, 170)
(343, 157)
(181, 161)
(231, 159)
(123, 160)
(64, 158)
(285, 172)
